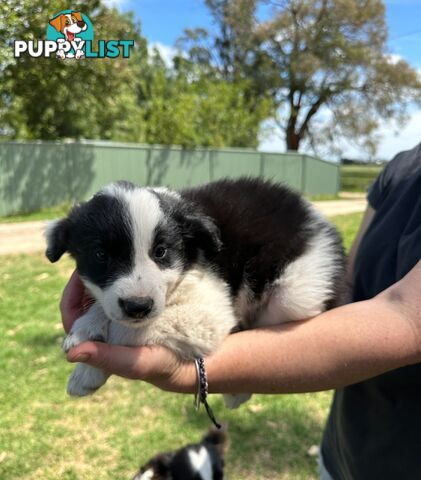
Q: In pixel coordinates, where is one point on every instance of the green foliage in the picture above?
(140, 99)
(324, 60)
(45, 98)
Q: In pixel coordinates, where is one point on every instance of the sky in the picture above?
(163, 21)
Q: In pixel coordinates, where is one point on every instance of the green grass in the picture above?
(348, 226)
(357, 178)
(46, 435)
(48, 213)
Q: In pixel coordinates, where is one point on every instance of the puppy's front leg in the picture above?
(93, 326)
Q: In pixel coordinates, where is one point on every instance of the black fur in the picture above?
(262, 227)
(177, 466)
(245, 230)
(97, 234)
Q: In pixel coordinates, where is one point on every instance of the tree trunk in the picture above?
(292, 139)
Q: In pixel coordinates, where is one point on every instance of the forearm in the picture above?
(338, 348)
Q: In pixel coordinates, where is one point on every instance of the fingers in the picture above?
(74, 301)
(154, 364)
(114, 359)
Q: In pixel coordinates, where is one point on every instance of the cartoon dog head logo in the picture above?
(70, 29)
(69, 24)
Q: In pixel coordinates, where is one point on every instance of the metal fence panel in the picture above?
(41, 174)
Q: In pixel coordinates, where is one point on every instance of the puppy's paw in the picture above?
(79, 336)
(85, 380)
(234, 401)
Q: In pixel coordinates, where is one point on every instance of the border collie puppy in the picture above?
(200, 461)
(184, 269)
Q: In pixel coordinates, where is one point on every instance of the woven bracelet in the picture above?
(202, 390)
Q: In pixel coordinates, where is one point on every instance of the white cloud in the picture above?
(395, 58)
(393, 139)
(115, 3)
(167, 52)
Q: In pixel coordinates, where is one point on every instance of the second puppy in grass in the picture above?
(185, 268)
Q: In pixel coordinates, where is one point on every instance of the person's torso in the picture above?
(374, 429)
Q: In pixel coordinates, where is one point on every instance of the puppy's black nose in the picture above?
(81, 24)
(136, 307)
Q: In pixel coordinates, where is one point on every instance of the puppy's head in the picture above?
(201, 461)
(131, 246)
(158, 468)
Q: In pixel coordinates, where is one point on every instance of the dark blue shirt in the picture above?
(374, 427)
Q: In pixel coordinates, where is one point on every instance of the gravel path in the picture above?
(27, 237)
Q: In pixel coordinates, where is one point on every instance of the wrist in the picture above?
(183, 378)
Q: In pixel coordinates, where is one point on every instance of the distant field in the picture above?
(357, 178)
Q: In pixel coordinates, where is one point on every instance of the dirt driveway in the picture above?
(27, 237)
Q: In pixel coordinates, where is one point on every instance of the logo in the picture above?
(70, 34)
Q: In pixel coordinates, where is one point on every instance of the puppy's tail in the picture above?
(218, 438)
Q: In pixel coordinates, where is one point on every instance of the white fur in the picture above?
(148, 475)
(201, 463)
(197, 317)
(194, 312)
(146, 279)
(298, 294)
(49, 229)
(302, 289)
(166, 191)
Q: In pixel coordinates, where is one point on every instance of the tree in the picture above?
(324, 60)
(140, 99)
(184, 106)
(44, 98)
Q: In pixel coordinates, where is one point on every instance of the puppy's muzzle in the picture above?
(136, 307)
(81, 24)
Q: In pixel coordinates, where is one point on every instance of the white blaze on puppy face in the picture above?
(146, 278)
(201, 463)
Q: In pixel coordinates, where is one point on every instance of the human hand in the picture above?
(74, 301)
(154, 364)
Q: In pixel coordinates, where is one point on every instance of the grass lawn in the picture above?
(48, 213)
(357, 178)
(44, 434)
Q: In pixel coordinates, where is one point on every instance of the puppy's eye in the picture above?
(100, 255)
(160, 252)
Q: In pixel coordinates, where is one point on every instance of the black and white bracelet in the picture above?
(202, 390)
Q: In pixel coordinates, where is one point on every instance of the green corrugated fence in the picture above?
(40, 174)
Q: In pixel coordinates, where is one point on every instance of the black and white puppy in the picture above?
(200, 461)
(184, 269)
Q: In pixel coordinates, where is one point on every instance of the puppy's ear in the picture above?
(57, 23)
(159, 466)
(57, 235)
(78, 16)
(218, 438)
(201, 232)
